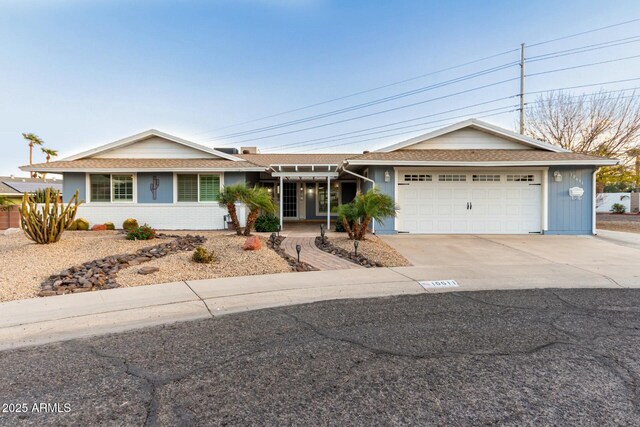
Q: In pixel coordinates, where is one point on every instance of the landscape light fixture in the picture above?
(322, 231)
(278, 231)
(355, 246)
(298, 249)
(273, 237)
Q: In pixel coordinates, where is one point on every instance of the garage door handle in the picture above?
(470, 205)
(467, 205)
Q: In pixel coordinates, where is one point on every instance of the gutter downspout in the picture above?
(344, 169)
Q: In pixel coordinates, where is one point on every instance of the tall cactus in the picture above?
(46, 224)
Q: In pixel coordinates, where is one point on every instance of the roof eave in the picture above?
(111, 170)
(604, 162)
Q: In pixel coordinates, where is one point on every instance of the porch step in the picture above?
(314, 256)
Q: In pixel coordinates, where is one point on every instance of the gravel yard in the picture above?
(231, 260)
(629, 223)
(374, 249)
(24, 264)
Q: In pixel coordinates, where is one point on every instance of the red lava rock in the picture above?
(99, 227)
(252, 243)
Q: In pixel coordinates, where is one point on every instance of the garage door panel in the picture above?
(498, 207)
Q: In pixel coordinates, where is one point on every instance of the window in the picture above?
(198, 188)
(122, 186)
(416, 177)
(321, 191)
(520, 178)
(486, 178)
(111, 188)
(452, 177)
(100, 188)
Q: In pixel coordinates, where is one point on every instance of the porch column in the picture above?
(328, 203)
(281, 203)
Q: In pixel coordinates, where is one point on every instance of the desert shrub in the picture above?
(267, 223)
(144, 232)
(109, 226)
(202, 255)
(130, 224)
(618, 208)
(79, 224)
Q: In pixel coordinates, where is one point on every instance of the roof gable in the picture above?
(152, 144)
(472, 134)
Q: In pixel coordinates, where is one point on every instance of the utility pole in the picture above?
(522, 88)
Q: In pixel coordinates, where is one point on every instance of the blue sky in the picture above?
(84, 73)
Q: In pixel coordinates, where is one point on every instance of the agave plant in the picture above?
(257, 199)
(229, 196)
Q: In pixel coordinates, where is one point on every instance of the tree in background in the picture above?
(49, 152)
(33, 140)
(601, 124)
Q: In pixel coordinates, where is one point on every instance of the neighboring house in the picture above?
(13, 188)
(471, 177)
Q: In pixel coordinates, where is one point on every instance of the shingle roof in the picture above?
(17, 184)
(476, 156)
(136, 164)
(295, 159)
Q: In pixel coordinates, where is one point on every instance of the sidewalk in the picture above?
(42, 320)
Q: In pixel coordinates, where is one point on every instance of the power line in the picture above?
(422, 75)
(381, 112)
(475, 61)
(415, 130)
(583, 65)
(373, 102)
(391, 124)
(584, 32)
(581, 86)
(333, 138)
(583, 49)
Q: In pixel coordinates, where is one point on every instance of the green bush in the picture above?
(202, 256)
(110, 226)
(144, 232)
(618, 208)
(267, 223)
(130, 224)
(79, 224)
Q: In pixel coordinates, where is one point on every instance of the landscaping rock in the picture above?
(99, 227)
(148, 270)
(101, 273)
(359, 259)
(252, 244)
(293, 262)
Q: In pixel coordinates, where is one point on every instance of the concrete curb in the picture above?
(44, 320)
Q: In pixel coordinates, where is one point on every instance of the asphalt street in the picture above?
(535, 357)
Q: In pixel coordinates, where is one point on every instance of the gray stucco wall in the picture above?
(388, 226)
(73, 181)
(568, 216)
(164, 192)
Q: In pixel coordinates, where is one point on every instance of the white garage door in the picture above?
(450, 202)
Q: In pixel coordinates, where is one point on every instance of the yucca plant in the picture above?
(45, 224)
(257, 199)
(229, 196)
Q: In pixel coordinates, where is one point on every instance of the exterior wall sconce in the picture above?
(387, 176)
(557, 176)
(576, 193)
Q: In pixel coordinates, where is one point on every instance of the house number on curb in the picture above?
(430, 284)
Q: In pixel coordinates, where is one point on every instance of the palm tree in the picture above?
(229, 196)
(33, 141)
(257, 199)
(373, 205)
(49, 152)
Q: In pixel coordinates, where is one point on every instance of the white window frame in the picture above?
(175, 186)
(318, 213)
(134, 177)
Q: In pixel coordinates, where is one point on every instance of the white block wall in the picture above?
(604, 201)
(178, 216)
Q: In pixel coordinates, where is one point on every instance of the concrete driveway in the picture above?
(490, 262)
